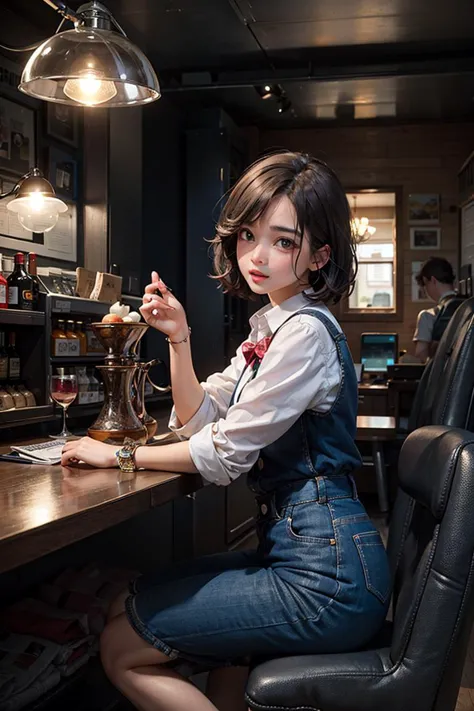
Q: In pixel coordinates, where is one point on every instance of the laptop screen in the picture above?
(378, 350)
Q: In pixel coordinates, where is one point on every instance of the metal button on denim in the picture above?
(264, 509)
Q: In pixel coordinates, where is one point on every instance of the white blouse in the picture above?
(300, 371)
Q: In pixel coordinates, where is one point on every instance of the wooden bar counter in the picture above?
(44, 508)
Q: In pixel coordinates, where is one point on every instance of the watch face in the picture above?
(126, 455)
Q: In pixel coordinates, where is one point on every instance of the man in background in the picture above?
(437, 278)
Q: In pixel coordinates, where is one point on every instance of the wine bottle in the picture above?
(3, 287)
(33, 274)
(13, 358)
(20, 286)
(3, 358)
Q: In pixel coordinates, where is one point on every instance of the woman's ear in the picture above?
(320, 258)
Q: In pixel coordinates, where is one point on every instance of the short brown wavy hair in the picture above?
(321, 208)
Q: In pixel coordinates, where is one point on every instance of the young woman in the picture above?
(284, 414)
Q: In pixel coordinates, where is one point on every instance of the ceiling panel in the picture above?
(273, 11)
(188, 34)
(360, 31)
(350, 103)
(404, 98)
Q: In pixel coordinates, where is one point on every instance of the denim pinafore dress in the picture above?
(319, 581)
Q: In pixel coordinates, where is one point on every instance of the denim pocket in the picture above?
(310, 523)
(374, 563)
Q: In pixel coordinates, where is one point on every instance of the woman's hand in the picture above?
(90, 451)
(164, 312)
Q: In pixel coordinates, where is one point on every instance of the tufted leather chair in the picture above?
(417, 661)
(445, 395)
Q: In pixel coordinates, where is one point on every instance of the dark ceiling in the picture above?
(345, 61)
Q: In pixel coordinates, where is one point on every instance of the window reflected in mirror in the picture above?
(374, 228)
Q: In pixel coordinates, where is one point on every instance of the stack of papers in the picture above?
(48, 452)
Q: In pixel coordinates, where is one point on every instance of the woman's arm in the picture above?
(165, 313)
(167, 457)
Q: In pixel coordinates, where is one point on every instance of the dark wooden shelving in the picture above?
(73, 360)
(26, 416)
(17, 317)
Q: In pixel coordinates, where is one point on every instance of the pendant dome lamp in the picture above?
(94, 64)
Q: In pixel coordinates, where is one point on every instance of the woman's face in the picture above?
(274, 258)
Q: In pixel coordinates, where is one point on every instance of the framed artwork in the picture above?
(62, 173)
(17, 137)
(417, 292)
(424, 208)
(62, 122)
(425, 237)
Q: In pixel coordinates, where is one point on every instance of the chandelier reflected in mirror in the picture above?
(361, 227)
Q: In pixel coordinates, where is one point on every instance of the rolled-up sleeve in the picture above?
(424, 327)
(292, 371)
(218, 389)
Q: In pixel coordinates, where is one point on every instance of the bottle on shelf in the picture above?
(28, 395)
(14, 367)
(74, 342)
(82, 386)
(94, 388)
(32, 271)
(82, 337)
(20, 286)
(19, 401)
(3, 287)
(3, 358)
(59, 339)
(6, 400)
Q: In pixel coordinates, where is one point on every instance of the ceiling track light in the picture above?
(267, 91)
(284, 104)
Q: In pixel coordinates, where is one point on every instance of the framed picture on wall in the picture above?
(417, 292)
(62, 173)
(425, 237)
(62, 123)
(17, 137)
(424, 208)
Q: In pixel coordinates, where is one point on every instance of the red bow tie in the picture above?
(255, 351)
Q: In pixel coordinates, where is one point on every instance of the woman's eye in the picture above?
(286, 243)
(246, 235)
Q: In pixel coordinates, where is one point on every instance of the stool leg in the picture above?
(380, 475)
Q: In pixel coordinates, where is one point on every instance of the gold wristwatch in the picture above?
(126, 455)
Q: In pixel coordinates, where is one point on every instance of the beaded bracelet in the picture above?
(175, 343)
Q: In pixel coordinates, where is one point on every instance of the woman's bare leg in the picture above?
(136, 669)
(117, 606)
(226, 688)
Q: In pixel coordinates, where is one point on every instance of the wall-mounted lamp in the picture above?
(35, 202)
(91, 65)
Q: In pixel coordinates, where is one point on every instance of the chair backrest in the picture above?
(445, 393)
(431, 547)
(446, 311)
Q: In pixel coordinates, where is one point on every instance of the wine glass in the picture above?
(63, 391)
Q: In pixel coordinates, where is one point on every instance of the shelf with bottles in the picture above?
(19, 284)
(22, 375)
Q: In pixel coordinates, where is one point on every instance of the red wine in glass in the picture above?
(63, 391)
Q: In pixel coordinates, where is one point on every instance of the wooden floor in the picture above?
(466, 692)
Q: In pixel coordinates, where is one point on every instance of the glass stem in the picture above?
(64, 430)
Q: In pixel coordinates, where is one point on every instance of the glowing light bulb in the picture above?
(36, 202)
(90, 89)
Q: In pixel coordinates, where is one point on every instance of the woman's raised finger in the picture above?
(155, 280)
